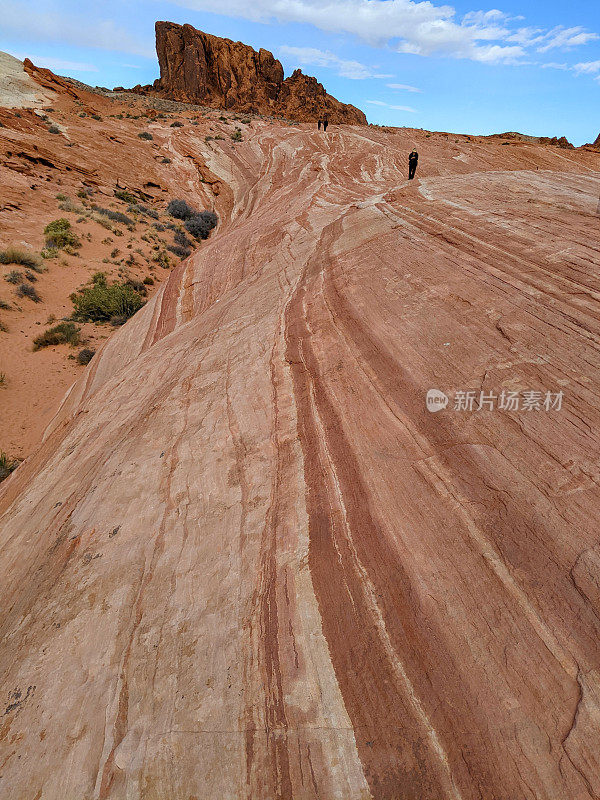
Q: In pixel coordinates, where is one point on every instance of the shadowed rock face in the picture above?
(200, 68)
(247, 561)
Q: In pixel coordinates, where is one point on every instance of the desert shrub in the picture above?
(148, 280)
(162, 259)
(177, 124)
(14, 276)
(27, 290)
(101, 302)
(125, 195)
(97, 117)
(137, 286)
(223, 119)
(201, 224)
(237, 135)
(165, 160)
(180, 209)
(159, 227)
(182, 252)
(3, 327)
(63, 333)
(182, 239)
(3, 380)
(146, 135)
(115, 216)
(59, 234)
(85, 356)
(15, 255)
(49, 252)
(53, 129)
(70, 207)
(7, 465)
(61, 196)
(30, 276)
(5, 306)
(142, 209)
(246, 121)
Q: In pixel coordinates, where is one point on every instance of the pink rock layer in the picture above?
(247, 562)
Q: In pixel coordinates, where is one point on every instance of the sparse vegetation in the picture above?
(146, 135)
(115, 216)
(63, 333)
(27, 290)
(14, 276)
(3, 380)
(53, 129)
(15, 255)
(237, 135)
(59, 234)
(177, 124)
(101, 302)
(125, 195)
(3, 327)
(85, 356)
(149, 280)
(7, 465)
(5, 306)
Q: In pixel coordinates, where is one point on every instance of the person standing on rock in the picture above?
(325, 122)
(413, 160)
(319, 123)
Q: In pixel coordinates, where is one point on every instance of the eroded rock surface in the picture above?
(198, 67)
(246, 562)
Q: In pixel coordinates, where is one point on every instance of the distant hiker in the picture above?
(319, 123)
(325, 122)
(413, 160)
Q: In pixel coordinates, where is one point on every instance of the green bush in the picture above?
(146, 135)
(59, 234)
(63, 333)
(100, 302)
(7, 465)
(53, 129)
(126, 195)
(237, 135)
(15, 255)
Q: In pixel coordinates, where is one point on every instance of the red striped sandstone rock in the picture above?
(246, 562)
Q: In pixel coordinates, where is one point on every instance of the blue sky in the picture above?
(527, 65)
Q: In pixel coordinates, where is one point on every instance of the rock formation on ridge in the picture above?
(197, 67)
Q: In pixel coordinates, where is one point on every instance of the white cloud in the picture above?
(395, 108)
(403, 87)
(409, 26)
(554, 65)
(56, 64)
(587, 67)
(23, 21)
(566, 38)
(311, 56)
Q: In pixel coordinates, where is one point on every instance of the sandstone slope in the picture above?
(246, 562)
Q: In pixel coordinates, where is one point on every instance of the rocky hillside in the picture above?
(197, 67)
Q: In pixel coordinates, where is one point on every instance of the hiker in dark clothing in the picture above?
(325, 122)
(413, 160)
(319, 123)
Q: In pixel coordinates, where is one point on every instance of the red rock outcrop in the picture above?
(197, 67)
(247, 561)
